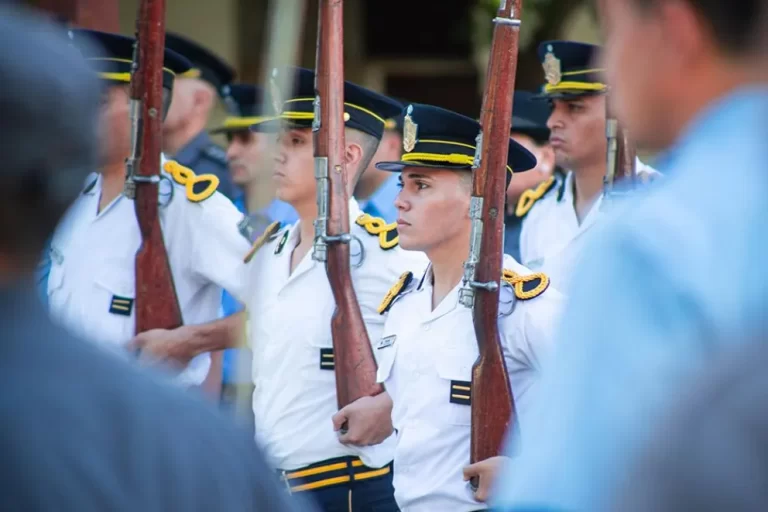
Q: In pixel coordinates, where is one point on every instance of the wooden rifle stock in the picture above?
(156, 303)
(492, 400)
(622, 155)
(355, 365)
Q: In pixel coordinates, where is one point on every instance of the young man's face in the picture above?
(246, 155)
(645, 60)
(578, 131)
(115, 123)
(293, 172)
(433, 206)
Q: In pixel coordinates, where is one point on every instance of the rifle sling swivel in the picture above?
(152, 180)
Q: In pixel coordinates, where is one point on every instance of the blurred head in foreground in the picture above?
(666, 61)
(48, 145)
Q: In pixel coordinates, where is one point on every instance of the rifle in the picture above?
(622, 156)
(355, 365)
(156, 303)
(492, 400)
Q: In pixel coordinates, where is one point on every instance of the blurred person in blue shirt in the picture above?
(82, 429)
(281, 212)
(707, 452)
(684, 260)
(247, 156)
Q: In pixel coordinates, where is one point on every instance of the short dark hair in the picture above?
(735, 25)
(369, 144)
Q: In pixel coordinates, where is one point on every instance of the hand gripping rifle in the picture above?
(156, 303)
(355, 365)
(492, 400)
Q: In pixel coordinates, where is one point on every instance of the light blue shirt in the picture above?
(660, 291)
(281, 212)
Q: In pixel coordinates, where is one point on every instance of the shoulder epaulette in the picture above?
(526, 287)
(198, 187)
(401, 284)
(387, 233)
(529, 197)
(268, 235)
(214, 152)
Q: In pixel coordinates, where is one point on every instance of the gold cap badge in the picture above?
(274, 92)
(552, 70)
(410, 129)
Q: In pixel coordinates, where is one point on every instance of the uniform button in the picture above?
(426, 327)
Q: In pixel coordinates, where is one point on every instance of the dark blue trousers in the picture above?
(345, 485)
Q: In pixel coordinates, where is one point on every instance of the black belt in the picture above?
(330, 472)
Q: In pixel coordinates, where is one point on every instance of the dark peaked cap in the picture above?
(530, 116)
(205, 64)
(437, 138)
(247, 108)
(111, 56)
(570, 69)
(364, 110)
(50, 104)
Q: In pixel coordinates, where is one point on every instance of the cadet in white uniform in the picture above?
(428, 345)
(91, 287)
(291, 307)
(558, 215)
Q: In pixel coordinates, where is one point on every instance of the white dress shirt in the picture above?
(290, 335)
(552, 238)
(423, 354)
(93, 258)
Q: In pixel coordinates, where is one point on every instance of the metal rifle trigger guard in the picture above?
(129, 189)
(467, 291)
(322, 238)
(346, 238)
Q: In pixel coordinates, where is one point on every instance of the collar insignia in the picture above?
(282, 241)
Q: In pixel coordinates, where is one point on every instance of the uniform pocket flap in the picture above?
(384, 350)
(115, 281)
